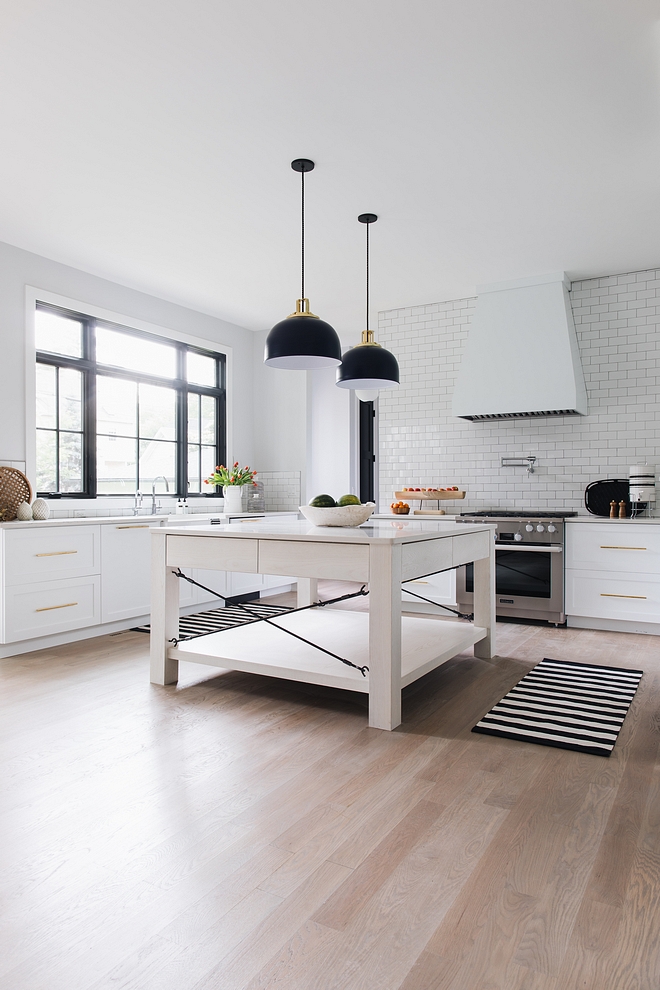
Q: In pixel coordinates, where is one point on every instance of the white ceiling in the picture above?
(149, 141)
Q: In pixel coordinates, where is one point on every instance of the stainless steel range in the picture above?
(529, 563)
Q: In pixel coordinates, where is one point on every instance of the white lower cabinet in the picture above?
(126, 570)
(439, 588)
(51, 607)
(613, 576)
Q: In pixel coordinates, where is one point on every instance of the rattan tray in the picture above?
(14, 489)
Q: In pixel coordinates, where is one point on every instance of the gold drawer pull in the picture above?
(55, 553)
(621, 548)
(605, 594)
(141, 526)
(49, 608)
(416, 582)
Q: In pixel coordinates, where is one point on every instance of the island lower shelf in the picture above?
(259, 648)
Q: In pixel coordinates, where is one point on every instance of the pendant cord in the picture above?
(367, 276)
(302, 249)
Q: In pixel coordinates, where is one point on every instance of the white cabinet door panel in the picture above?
(126, 570)
(627, 547)
(50, 552)
(439, 588)
(613, 596)
(51, 607)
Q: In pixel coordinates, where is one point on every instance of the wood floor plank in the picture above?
(234, 832)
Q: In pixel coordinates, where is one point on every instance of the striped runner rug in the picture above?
(217, 619)
(576, 706)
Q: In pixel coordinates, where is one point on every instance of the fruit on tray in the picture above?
(323, 502)
(400, 508)
(429, 491)
(349, 500)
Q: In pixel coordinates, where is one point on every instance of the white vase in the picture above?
(40, 508)
(23, 512)
(232, 495)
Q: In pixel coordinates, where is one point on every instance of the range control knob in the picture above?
(552, 529)
(529, 528)
(540, 528)
(517, 537)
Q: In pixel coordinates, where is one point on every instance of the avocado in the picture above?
(349, 500)
(323, 502)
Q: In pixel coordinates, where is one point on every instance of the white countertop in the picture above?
(393, 530)
(605, 520)
(191, 518)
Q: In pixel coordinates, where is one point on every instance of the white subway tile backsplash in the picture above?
(421, 443)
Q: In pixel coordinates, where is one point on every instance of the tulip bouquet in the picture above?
(231, 476)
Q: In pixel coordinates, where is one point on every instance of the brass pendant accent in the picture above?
(368, 339)
(302, 309)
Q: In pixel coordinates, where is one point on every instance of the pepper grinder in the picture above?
(613, 510)
(622, 510)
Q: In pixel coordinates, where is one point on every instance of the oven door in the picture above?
(529, 581)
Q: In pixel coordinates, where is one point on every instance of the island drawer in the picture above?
(228, 554)
(343, 561)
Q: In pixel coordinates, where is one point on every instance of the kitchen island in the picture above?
(382, 554)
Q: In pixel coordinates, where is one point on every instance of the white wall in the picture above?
(280, 414)
(20, 268)
(617, 320)
(328, 436)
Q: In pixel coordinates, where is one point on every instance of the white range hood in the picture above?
(521, 358)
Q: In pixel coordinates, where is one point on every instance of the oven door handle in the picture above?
(551, 548)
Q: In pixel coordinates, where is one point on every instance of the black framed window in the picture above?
(117, 408)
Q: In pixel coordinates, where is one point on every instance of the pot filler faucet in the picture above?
(161, 477)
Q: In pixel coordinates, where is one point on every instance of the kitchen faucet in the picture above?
(161, 477)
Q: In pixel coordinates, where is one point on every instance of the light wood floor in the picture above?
(239, 832)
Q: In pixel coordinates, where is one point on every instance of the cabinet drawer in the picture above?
(51, 607)
(613, 596)
(343, 561)
(228, 554)
(43, 554)
(626, 547)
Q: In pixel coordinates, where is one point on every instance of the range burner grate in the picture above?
(518, 514)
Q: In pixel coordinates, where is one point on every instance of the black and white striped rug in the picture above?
(576, 706)
(217, 619)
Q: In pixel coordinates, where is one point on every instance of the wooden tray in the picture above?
(428, 496)
(429, 512)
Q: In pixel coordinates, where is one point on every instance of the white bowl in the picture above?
(339, 515)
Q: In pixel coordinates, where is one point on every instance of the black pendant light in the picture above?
(368, 366)
(302, 342)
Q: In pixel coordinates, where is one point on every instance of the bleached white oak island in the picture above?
(382, 554)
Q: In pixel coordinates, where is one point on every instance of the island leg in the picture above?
(484, 603)
(385, 636)
(164, 613)
(307, 592)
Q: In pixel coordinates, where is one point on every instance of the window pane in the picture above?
(201, 369)
(46, 461)
(57, 334)
(70, 399)
(71, 462)
(116, 406)
(46, 391)
(193, 468)
(208, 466)
(208, 419)
(123, 350)
(115, 465)
(157, 458)
(157, 412)
(193, 417)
